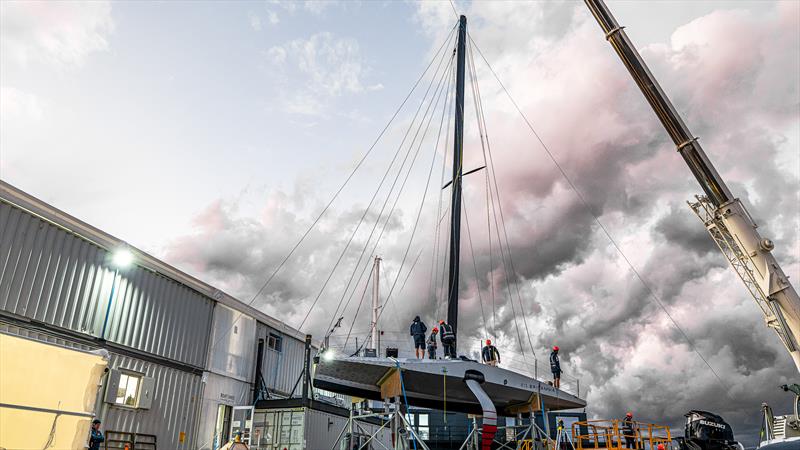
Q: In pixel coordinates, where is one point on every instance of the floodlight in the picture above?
(122, 258)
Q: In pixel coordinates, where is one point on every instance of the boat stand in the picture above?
(404, 436)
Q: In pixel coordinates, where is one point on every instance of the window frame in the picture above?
(275, 342)
(138, 393)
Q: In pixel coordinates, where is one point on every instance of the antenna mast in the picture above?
(375, 296)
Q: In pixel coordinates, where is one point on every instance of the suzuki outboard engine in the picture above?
(707, 431)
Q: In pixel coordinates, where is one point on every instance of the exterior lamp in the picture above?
(121, 258)
(328, 354)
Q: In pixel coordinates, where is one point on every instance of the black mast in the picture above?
(458, 154)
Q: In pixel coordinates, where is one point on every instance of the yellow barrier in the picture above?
(612, 435)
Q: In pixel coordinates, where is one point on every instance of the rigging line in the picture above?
(341, 188)
(434, 276)
(361, 301)
(391, 212)
(408, 275)
(366, 211)
(436, 251)
(394, 205)
(419, 211)
(474, 264)
(500, 206)
(482, 130)
(600, 224)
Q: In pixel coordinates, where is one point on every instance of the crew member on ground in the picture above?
(418, 330)
(555, 367)
(432, 343)
(490, 354)
(95, 436)
(448, 338)
(629, 431)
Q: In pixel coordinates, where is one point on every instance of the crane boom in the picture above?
(724, 216)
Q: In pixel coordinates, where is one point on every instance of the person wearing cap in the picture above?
(661, 447)
(555, 367)
(417, 331)
(236, 443)
(432, 343)
(95, 436)
(490, 354)
(629, 431)
(448, 338)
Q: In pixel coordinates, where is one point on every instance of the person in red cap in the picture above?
(432, 343)
(661, 447)
(490, 354)
(629, 431)
(555, 367)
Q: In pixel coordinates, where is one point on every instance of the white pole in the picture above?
(375, 296)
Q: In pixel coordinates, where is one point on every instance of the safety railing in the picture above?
(616, 435)
(129, 441)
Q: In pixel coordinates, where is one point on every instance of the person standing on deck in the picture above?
(448, 340)
(418, 330)
(555, 367)
(490, 354)
(629, 431)
(432, 343)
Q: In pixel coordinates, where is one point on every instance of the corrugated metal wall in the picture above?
(53, 276)
(231, 351)
(281, 369)
(219, 390)
(175, 405)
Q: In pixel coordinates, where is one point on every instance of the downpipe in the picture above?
(474, 379)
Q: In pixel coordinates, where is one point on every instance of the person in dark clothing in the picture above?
(448, 337)
(629, 431)
(432, 343)
(490, 354)
(418, 330)
(96, 436)
(555, 367)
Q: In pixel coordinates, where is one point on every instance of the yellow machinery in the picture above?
(47, 394)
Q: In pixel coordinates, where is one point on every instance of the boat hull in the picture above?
(439, 384)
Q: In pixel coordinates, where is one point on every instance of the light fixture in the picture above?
(122, 258)
(328, 354)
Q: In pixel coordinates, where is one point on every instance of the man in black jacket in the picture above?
(418, 330)
(490, 355)
(448, 337)
(555, 367)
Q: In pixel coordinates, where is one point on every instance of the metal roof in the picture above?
(49, 213)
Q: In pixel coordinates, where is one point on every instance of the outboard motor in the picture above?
(707, 431)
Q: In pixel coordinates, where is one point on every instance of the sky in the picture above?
(212, 135)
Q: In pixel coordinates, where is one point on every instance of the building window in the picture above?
(423, 429)
(275, 342)
(128, 390)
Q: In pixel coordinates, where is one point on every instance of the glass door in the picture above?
(242, 422)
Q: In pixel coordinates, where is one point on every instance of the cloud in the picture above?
(255, 21)
(576, 289)
(61, 34)
(16, 104)
(327, 66)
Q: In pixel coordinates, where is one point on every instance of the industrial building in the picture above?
(187, 361)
